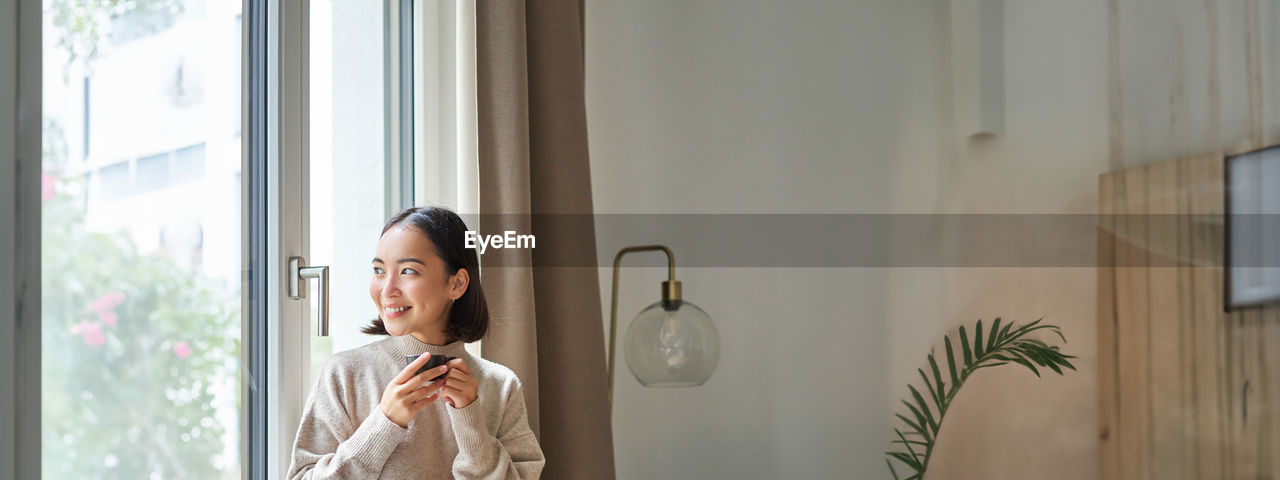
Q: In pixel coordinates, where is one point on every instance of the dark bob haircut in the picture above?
(469, 317)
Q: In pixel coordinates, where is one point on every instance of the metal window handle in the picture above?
(298, 272)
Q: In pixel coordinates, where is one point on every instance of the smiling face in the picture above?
(411, 285)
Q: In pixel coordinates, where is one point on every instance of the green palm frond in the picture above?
(925, 410)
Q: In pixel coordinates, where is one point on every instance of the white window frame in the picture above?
(443, 104)
(288, 194)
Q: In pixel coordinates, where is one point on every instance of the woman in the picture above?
(370, 416)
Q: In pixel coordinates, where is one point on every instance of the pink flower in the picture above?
(48, 187)
(95, 337)
(91, 332)
(106, 302)
(108, 318)
(181, 349)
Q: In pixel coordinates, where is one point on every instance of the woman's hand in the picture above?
(407, 394)
(459, 386)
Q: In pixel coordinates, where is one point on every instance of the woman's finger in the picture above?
(408, 370)
(432, 373)
(457, 386)
(457, 379)
(461, 375)
(414, 396)
(409, 390)
(465, 384)
(456, 390)
(424, 390)
(459, 364)
(432, 386)
(425, 400)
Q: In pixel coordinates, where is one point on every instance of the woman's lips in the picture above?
(390, 312)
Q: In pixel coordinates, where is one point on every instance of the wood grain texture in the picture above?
(1184, 76)
(1163, 329)
(1108, 399)
(1133, 305)
(1187, 390)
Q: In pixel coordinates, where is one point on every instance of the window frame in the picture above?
(20, 166)
(274, 149)
(254, 227)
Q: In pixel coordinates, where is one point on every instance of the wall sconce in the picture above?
(671, 343)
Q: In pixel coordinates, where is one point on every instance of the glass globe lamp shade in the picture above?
(679, 347)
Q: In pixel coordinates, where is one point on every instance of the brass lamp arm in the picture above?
(670, 299)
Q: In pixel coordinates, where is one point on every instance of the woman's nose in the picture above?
(390, 287)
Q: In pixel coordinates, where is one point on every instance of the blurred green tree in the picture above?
(140, 357)
(136, 351)
(83, 25)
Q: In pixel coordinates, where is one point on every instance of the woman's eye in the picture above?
(377, 270)
(408, 271)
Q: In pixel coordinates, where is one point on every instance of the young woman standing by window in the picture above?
(370, 416)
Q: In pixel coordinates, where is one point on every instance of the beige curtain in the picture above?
(545, 301)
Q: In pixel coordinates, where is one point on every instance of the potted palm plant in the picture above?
(1002, 345)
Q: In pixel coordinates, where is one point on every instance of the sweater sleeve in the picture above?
(330, 446)
(513, 453)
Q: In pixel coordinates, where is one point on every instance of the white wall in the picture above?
(1046, 161)
(732, 106)
(846, 106)
(1088, 90)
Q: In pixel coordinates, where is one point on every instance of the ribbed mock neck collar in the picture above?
(407, 345)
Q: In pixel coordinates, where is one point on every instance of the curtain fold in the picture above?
(535, 178)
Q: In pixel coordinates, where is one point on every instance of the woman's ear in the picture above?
(458, 283)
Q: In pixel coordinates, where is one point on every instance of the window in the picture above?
(141, 293)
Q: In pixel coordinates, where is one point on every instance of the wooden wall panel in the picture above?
(1187, 320)
(1265, 406)
(1164, 330)
(1132, 302)
(1209, 322)
(1187, 390)
(1108, 401)
(1184, 76)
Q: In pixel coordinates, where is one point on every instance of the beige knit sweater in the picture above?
(345, 435)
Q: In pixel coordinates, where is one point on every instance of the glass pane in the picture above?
(347, 162)
(141, 239)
